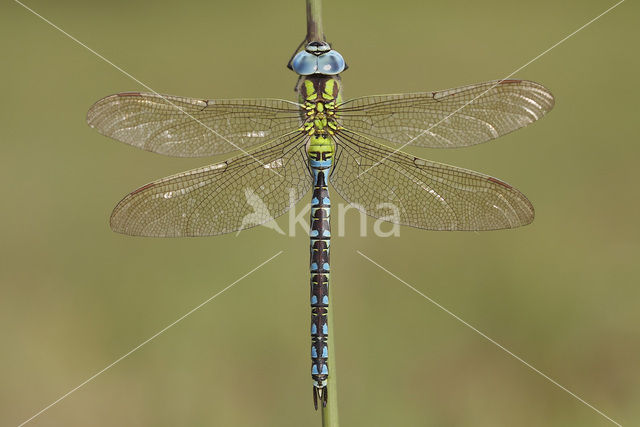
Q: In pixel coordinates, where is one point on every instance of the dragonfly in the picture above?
(291, 148)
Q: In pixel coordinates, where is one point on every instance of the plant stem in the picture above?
(315, 32)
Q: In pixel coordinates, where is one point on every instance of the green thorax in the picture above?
(320, 96)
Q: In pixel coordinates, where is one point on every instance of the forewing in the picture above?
(411, 191)
(458, 117)
(239, 193)
(188, 127)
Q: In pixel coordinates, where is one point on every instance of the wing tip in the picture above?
(550, 99)
(91, 113)
(525, 212)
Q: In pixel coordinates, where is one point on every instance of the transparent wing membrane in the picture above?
(188, 127)
(254, 188)
(421, 119)
(411, 191)
(239, 193)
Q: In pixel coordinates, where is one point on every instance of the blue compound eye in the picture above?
(331, 63)
(305, 63)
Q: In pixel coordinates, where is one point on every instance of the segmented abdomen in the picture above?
(320, 235)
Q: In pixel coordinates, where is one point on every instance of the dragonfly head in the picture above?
(318, 58)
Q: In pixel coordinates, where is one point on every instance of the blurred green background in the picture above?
(561, 293)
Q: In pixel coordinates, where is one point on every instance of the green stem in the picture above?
(315, 32)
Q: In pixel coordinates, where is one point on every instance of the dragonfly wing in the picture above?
(188, 127)
(407, 190)
(239, 193)
(458, 117)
